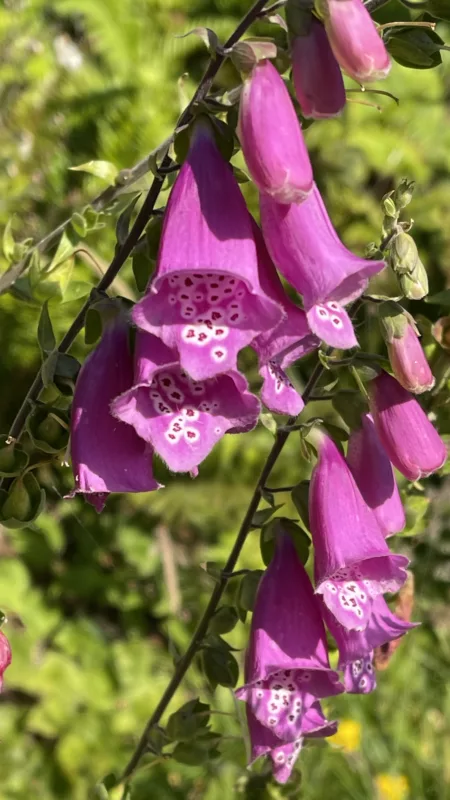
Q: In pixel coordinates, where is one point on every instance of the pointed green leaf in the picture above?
(46, 337)
(101, 169)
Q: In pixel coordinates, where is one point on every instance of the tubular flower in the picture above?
(181, 418)
(410, 440)
(318, 81)
(409, 363)
(284, 754)
(205, 299)
(352, 562)
(287, 667)
(355, 40)
(107, 456)
(5, 656)
(285, 343)
(308, 252)
(374, 475)
(356, 647)
(271, 137)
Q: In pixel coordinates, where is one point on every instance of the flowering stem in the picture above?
(142, 218)
(202, 628)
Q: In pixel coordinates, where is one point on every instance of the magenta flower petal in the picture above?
(356, 647)
(181, 418)
(107, 456)
(284, 754)
(283, 344)
(374, 475)
(5, 656)
(331, 323)
(206, 300)
(317, 76)
(287, 665)
(352, 563)
(355, 40)
(271, 137)
(307, 250)
(410, 440)
(409, 363)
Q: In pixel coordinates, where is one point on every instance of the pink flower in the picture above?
(5, 656)
(408, 361)
(355, 40)
(317, 76)
(206, 301)
(180, 418)
(271, 137)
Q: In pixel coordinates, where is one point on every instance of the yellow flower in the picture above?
(348, 737)
(392, 787)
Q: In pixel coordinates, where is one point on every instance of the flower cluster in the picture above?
(174, 388)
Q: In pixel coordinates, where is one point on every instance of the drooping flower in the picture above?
(410, 440)
(355, 40)
(205, 299)
(181, 418)
(5, 656)
(308, 252)
(352, 562)
(271, 137)
(356, 647)
(284, 754)
(107, 455)
(318, 81)
(287, 667)
(285, 343)
(407, 358)
(375, 477)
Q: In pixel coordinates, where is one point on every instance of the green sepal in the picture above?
(48, 429)
(13, 459)
(23, 503)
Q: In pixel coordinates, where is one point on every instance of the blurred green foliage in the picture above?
(100, 607)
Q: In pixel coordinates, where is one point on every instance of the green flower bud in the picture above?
(403, 255)
(404, 192)
(415, 285)
(389, 206)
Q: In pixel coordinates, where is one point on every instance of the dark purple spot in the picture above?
(189, 282)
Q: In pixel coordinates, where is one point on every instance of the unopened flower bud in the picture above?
(389, 206)
(404, 192)
(415, 285)
(403, 254)
(407, 358)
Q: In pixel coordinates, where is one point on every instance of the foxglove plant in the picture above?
(355, 40)
(375, 477)
(180, 418)
(271, 138)
(285, 343)
(107, 455)
(308, 252)
(356, 647)
(407, 435)
(317, 77)
(287, 667)
(352, 562)
(407, 358)
(206, 300)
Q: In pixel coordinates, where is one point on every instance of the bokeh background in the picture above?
(99, 607)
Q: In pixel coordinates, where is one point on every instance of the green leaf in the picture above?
(76, 290)
(46, 337)
(123, 222)
(224, 620)
(263, 515)
(191, 753)
(439, 9)
(48, 368)
(416, 508)
(416, 48)
(101, 169)
(208, 37)
(63, 252)
(300, 498)
(142, 269)
(13, 460)
(79, 224)
(248, 588)
(220, 666)
(8, 242)
(440, 298)
(188, 720)
(267, 419)
(93, 326)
